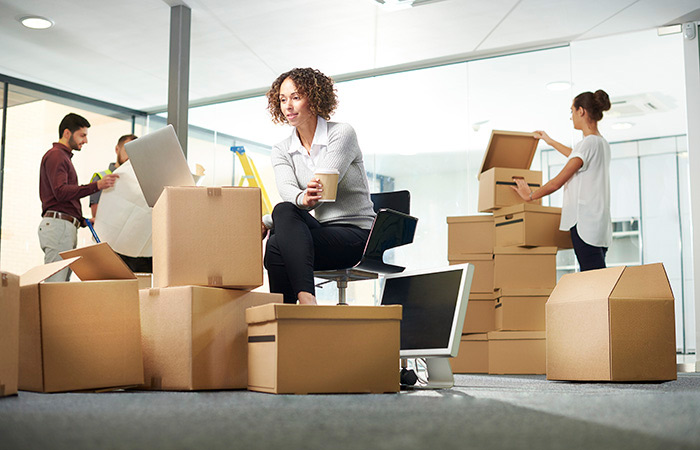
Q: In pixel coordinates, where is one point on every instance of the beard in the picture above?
(72, 144)
(121, 160)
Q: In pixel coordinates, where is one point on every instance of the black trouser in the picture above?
(141, 264)
(589, 257)
(300, 245)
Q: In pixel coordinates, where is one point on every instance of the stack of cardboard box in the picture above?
(207, 257)
(514, 251)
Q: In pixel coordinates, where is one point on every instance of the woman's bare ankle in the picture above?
(306, 298)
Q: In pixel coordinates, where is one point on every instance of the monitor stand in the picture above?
(439, 374)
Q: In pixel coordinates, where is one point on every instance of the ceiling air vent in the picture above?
(639, 104)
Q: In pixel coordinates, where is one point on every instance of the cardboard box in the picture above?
(207, 237)
(524, 268)
(480, 316)
(303, 349)
(469, 234)
(9, 333)
(520, 309)
(614, 324)
(195, 337)
(473, 356)
(517, 352)
(509, 154)
(529, 225)
(81, 335)
(145, 280)
(482, 282)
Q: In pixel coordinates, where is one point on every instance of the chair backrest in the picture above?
(390, 229)
(398, 201)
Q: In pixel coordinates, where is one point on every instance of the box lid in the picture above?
(524, 251)
(469, 219)
(481, 296)
(517, 292)
(526, 207)
(469, 257)
(511, 149)
(280, 311)
(40, 273)
(98, 262)
(475, 337)
(519, 335)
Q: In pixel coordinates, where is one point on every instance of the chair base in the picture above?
(341, 277)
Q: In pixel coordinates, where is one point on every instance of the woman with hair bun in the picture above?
(586, 180)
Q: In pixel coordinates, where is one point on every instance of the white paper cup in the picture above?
(329, 182)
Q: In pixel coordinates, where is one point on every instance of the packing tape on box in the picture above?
(156, 382)
(215, 280)
(214, 192)
(4, 279)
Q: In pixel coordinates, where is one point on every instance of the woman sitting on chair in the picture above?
(335, 236)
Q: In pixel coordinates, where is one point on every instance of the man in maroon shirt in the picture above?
(60, 193)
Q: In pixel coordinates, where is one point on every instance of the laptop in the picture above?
(158, 161)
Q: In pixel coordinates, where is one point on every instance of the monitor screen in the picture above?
(432, 302)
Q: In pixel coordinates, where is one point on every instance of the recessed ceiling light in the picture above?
(558, 85)
(36, 22)
(622, 125)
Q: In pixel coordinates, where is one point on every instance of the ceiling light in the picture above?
(558, 85)
(36, 22)
(622, 125)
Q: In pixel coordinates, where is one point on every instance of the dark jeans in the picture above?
(141, 264)
(300, 245)
(588, 256)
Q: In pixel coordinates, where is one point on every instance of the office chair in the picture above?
(392, 227)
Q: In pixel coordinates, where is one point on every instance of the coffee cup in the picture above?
(329, 182)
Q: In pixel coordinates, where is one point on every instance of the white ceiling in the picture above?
(117, 51)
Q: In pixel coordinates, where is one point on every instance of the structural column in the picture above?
(179, 71)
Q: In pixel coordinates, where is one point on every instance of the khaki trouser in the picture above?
(56, 236)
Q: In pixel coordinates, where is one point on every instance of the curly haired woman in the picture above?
(334, 237)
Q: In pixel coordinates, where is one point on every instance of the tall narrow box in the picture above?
(517, 352)
(9, 333)
(614, 324)
(509, 154)
(473, 356)
(525, 268)
(520, 309)
(207, 237)
(468, 235)
(482, 283)
(195, 338)
(81, 335)
(528, 225)
(480, 316)
(304, 349)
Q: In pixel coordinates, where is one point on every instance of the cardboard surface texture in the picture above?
(195, 338)
(520, 309)
(482, 282)
(303, 349)
(480, 316)
(9, 333)
(495, 188)
(207, 237)
(469, 234)
(509, 149)
(529, 225)
(517, 352)
(473, 356)
(614, 324)
(82, 335)
(524, 268)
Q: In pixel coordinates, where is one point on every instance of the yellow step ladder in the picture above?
(252, 176)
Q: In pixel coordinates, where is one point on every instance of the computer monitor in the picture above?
(434, 304)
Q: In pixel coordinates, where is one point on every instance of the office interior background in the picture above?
(423, 86)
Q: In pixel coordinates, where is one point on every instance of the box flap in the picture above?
(516, 292)
(468, 219)
(511, 149)
(475, 337)
(643, 282)
(282, 311)
(40, 273)
(520, 335)
(524, 251)
(526, 207)
(589, 285)
(99, 262)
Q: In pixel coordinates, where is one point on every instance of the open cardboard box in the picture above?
(195, 338)
(469, 234)
(528, 225)
(614, 324)
(9, 333)
(207, 236)
(473, 356)
(80, 335)
(509, 154)
(304, 349)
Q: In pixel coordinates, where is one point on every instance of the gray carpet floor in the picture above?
(479, 412)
